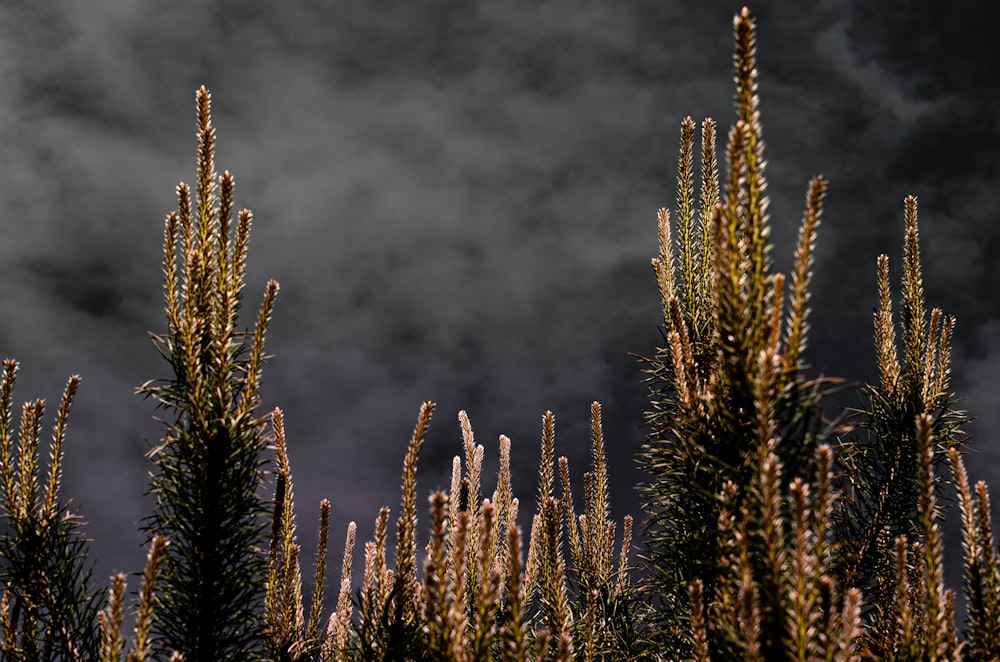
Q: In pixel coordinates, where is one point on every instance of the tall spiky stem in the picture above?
(144, 609)
(514, 633)
(319, 575)
(111, 621)
(404, 625)
(435, 591)
(283, 597)
(982, 565)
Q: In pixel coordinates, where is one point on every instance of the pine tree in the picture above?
(209, 463)
(728, 389)
(881, 478)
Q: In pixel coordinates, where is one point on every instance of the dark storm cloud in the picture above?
(458, 200)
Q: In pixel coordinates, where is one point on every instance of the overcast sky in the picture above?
(459, 202)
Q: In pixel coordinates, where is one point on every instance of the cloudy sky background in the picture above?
(459, 200)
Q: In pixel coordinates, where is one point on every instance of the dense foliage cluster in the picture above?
(770, 532)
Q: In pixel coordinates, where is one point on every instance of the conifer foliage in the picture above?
(50, 608)
(49, 605)
(287, 633)
(209, 463)
(771, 533)
(732, 411)
(882, 467)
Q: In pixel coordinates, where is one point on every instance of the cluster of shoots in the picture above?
(478, 594)
(49, 607)
(770, 531)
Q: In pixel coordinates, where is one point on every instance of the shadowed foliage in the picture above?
(882, 466)
(49, 604)
(771, 532)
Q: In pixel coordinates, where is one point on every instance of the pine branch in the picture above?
(50, 606)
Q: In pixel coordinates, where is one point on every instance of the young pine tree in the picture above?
(728, 389)
(209, 463)
(882, 466)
